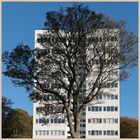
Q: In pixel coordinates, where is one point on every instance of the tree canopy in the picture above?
(128, 127)
(18, 124)
(6, 108)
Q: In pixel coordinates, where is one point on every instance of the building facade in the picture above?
(100, 119)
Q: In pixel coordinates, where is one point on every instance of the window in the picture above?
(100, 132)
(63, 132)
(44, 120)
(112, 108)
(41, 39)
(47, 108)
(111, 120)
(38, 109)
(105, 108)
(36, 120)
(116, 132)
(96, 132)
(104, 96)
(112, 132)
(104, 132)
(100, 96)
(116, 85)
(111, 85)
(107, 120)
(60, 132)
(47, 121)
(108, 132)
(40, 101)
(47, 132)
(55, 132)
(89, 108)
(112, 96)
(116, 120)
(36, 132)
(55, 120)
(116, 96)
(92, 132)
(89, 132)
(96, 97)
(96, 108)
(84, 120)
(40, 132)
(44, 132)
(59, 120)
(63, 120)
(116, 108)
(40, 121)
(108, 108)
(93, 120)
(108, 96)
(83, 113)
(51, 132)
(84, 132)
(89, 120)
(51, 120)
(108, 85)
(84, 125)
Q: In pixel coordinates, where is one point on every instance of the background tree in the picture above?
(19, 124)
(16, 123)
(6, 108)
(78, 45)
(128, 128)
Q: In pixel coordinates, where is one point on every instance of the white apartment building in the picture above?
(100, 119)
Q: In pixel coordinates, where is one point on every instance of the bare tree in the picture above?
(81, 52)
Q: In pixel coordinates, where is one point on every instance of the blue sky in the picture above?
(20, 19)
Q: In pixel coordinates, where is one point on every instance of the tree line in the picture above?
(16, 123)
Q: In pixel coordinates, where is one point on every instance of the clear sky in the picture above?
(21, 19)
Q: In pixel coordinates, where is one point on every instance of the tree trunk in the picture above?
(70, 123)
(77, 126)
